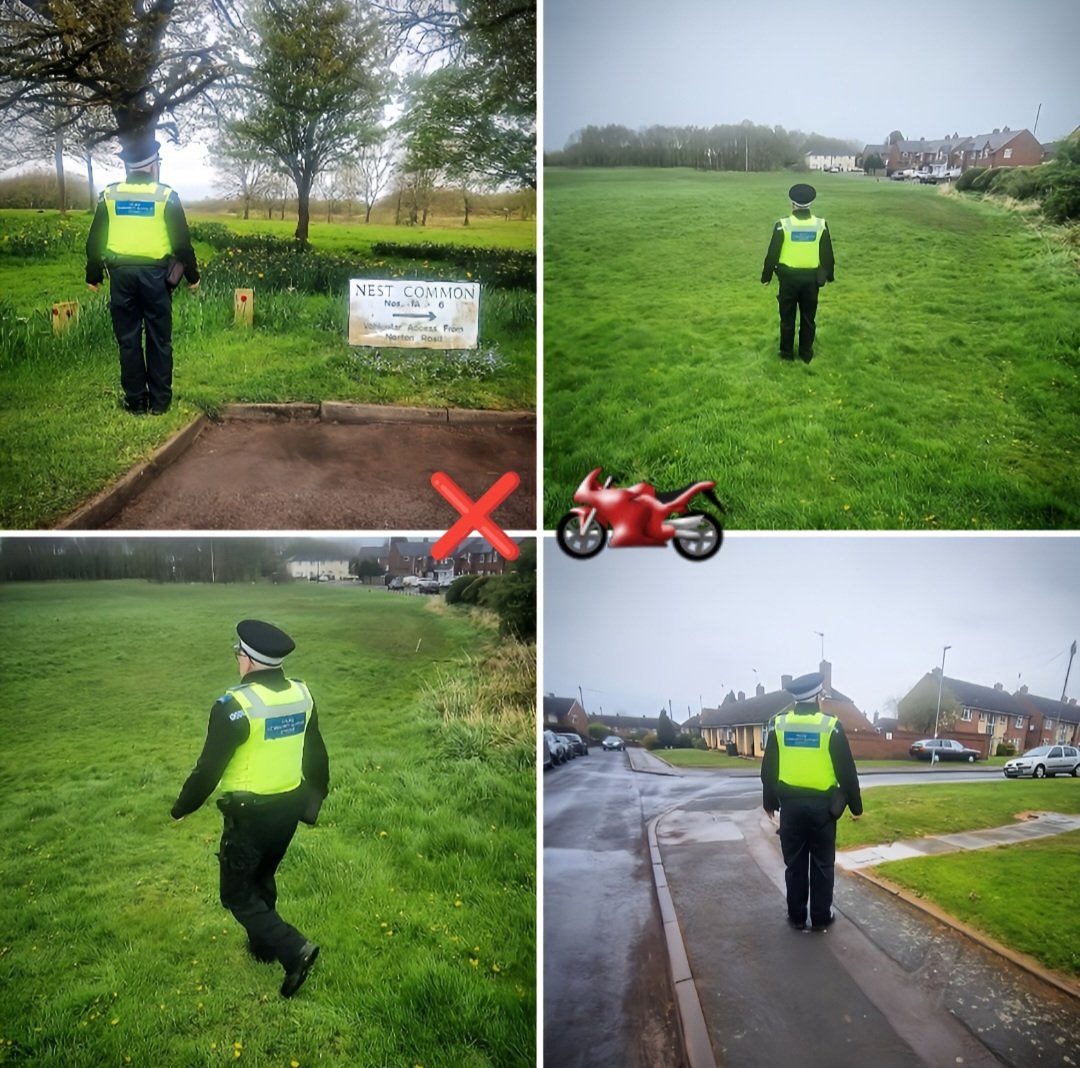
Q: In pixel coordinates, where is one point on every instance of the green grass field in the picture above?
(984, 887)
(944, 389)
(60, 422)
(418, 882)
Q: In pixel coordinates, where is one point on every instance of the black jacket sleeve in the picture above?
(825, 249)
(844, 766)
(772, 257)
(316, 761)
(180, 238)
(770, 774)
(223, 735)
(96, 241)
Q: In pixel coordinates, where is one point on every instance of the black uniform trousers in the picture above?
(257, 833)
(808, 842)
(140, 300)
(798, 289)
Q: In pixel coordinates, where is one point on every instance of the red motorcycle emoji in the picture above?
(639, 516)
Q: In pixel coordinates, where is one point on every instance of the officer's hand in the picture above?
(194, 285)
(854, 817)
(90, 285)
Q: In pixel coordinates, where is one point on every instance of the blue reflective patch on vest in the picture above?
(143, 208)
(803, 235)
(802, 739)
(283, 726)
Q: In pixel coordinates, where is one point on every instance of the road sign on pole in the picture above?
(413, 313)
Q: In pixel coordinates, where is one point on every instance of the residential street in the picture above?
(885, 986)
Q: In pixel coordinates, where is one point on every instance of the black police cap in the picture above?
(263, 642)
(140, 150)
(806, 687)
(802, 194)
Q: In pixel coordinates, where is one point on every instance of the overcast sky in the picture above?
(842, 68)
(637, 627)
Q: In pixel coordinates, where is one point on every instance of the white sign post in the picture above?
(413, 313)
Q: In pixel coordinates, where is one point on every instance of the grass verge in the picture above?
(419, 882)
(698, 758)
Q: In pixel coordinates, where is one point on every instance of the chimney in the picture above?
(785, 682)
(996, 130)
(742, 696)
(1023, 689)
(997, 685)
(826, 669)
(760, 691)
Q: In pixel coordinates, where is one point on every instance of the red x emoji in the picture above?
(475, 516)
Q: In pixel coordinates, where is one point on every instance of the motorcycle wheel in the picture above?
(574, 543)
(707, 544)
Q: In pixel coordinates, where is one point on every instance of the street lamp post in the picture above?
(937, 714)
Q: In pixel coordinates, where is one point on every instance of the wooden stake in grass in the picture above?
(244, 305)
(64, 314)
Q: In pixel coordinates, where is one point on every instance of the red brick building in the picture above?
(952, 155)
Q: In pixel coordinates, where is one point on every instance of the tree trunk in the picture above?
(465, 197)
(303, 209)
(61, 185)
(367, 213)
(90, 180)
(247, 205)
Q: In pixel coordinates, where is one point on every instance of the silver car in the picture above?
(1044, 761)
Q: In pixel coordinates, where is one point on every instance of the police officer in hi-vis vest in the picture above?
(801, 254)
(140, 236)
(263, 745)
(808, 772)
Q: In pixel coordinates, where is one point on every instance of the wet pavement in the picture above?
(887, 985)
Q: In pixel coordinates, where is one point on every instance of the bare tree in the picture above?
(374, 168)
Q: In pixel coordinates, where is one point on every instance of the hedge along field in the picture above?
(943, 390)
(418, 882)
(60, 420)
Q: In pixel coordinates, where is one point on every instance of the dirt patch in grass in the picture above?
(319, 476)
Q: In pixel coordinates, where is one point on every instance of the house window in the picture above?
(966, 715)
(1019, 721)
(982, 717)
(1008, 153)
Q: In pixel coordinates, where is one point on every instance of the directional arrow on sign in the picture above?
(415, 315)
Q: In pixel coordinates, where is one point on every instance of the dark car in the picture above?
(612, 741)
(576, 743)
(943, 749)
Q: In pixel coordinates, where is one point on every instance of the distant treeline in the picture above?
(719, 148)
(153, 559)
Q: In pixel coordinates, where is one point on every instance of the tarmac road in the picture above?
(607, 992)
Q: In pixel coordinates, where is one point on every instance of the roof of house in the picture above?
(985, 698)
(995, 140)
(621, 721)
(1049, 707)
(319, 558)
(753, 711)
(558, 706)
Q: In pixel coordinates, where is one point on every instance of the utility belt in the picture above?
(238, 802)
(113, 261)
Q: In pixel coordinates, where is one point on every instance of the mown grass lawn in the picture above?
(418, 882)
(699, 758)
(944, 389)
(60, 423)
(986, 888)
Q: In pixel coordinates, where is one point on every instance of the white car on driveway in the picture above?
(1044, 761)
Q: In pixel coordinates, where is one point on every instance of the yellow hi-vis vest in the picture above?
(803, 741)
(137, 220)
(271, 760)
(802, 241)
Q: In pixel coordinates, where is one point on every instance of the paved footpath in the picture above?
(887, 986)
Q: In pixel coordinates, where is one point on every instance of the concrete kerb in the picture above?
(103, 506)
(692, 1026)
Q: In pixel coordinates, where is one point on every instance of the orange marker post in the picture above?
(64, 314)
(244, 307)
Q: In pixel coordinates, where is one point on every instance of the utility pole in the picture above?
(1072, 653)
(822, 637)
(1033, 129)
(937, 714)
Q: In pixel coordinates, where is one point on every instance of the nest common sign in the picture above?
(412, 313)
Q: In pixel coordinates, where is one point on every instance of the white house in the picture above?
(823, 161)
(315, 567)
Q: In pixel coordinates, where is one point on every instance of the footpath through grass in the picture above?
(418, 882)
(1024, 896)
(61, 427)
(945, 388)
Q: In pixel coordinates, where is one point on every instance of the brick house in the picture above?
(565, 714)
(744, 720)
(625, 725)
(1021, 720)
(952, 155)
(473, 557)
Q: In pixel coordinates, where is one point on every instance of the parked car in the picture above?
(396, 583)
(1044, 761)
(576, 743)
(612, 741)
(557, 746)
(943, 749)
(545, 752)
(427, 586)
